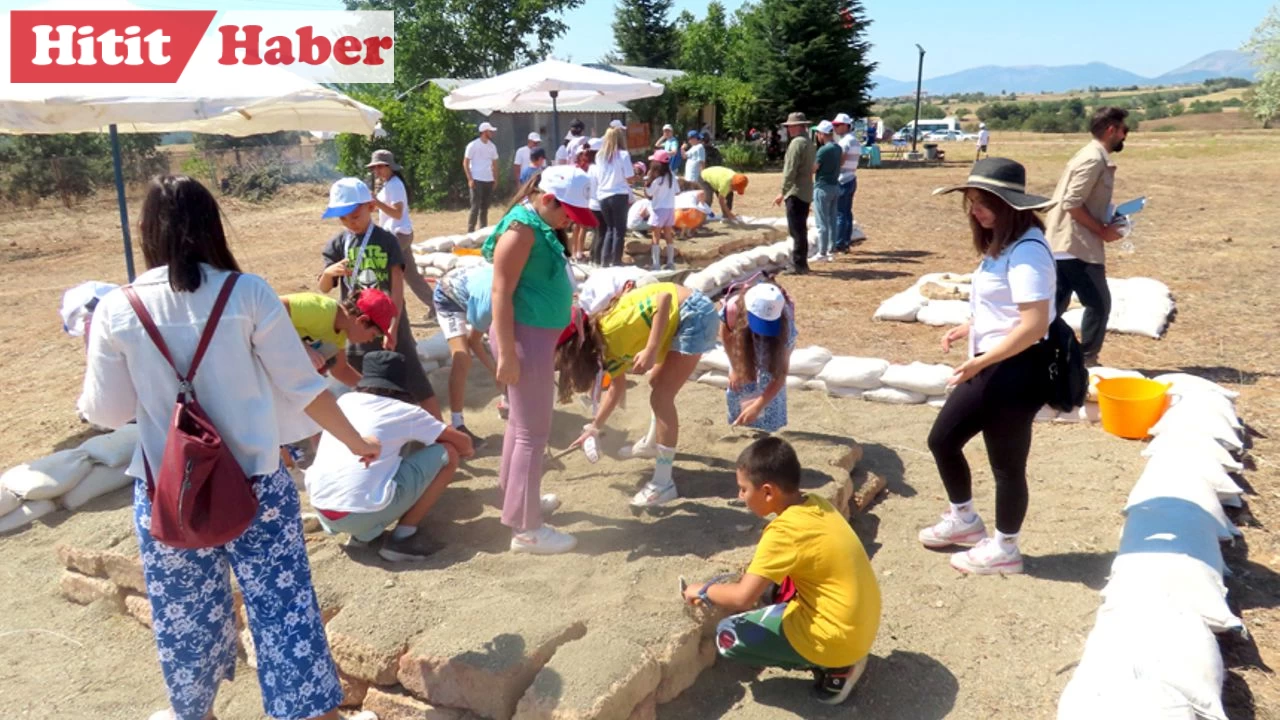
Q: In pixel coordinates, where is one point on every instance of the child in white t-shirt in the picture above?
(661, 187)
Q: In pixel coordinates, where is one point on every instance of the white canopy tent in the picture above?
(549, 85)
(236, 100)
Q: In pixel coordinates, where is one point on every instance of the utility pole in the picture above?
(915, 126)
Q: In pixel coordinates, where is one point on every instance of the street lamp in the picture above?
(915, 127)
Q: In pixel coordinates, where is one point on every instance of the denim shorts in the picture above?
(699, 326)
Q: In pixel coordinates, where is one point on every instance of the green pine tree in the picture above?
(644, 33)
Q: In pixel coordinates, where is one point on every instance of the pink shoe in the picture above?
(988, 557)
(951, 530)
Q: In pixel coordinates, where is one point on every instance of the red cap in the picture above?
(378, 307)
(576, 321)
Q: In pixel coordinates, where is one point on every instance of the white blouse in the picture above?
(255, 376)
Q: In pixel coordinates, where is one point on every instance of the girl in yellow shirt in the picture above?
(661, 327)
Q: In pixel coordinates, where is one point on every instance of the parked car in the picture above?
(944, 136)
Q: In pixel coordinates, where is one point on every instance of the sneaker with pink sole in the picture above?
(988, 557)
(951, 530)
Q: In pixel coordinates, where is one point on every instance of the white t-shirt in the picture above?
(482, 156)
(688, 200)
(638, 215)
(693, 162)
(615, 175)
(393, 192)
(662, 192)
(562, 155)
(593, 174)
(522, 158)
(1025, 272)
(984, 137)
(852, 155)
(339, 481)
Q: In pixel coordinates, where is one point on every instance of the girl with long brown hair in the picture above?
(758, 330)
(1002, 385)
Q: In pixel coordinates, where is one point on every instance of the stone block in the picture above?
(847, 460)
(124, 570)
(398, 706)
(86, 590)
(481, 668)
(867, 487)
(646, 710)
(82, 560)
(683, 658)
(139, 607)
(604, 676)
(374, 663)
(368, 647)
(354, 691)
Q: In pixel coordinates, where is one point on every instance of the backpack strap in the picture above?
(205, 337)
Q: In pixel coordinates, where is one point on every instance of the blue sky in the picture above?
(1148, 37)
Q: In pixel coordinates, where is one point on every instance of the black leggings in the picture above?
(1001, 402)
(597, 237)
(614, 209)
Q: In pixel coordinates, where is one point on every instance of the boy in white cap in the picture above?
(524, 158)
(984, 138)
(480, 163)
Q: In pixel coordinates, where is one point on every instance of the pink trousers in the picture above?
(531, 401)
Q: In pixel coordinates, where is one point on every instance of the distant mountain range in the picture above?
(994, 79)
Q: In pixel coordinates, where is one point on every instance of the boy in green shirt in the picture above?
(829, 622)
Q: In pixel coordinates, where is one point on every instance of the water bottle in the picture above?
(1126, 233)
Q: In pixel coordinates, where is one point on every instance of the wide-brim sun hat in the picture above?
(384, 157)
(797, 118)
(1004, 178)
(383, 370)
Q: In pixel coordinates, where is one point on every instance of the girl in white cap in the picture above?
(758, 330)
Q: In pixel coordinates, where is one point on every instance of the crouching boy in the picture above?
(361, 501)
(824, 612)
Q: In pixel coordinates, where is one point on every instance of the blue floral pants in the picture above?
(194, 619)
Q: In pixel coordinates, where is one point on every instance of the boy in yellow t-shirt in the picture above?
(831, 619)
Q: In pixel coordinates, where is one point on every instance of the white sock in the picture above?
(964, 511)
(403, 531)
(651, 436)
(662, 470)
(657, 254)
(1008, 543)
(457, 420)
(671, 254)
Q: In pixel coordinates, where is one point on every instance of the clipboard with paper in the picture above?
(1129, 209)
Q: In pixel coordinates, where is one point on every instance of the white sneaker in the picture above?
(951, 530)
(988, 557)
(543, 541)
(163, 715)
(639, 450)
(653, 495)
(828, 258)
(549, 503)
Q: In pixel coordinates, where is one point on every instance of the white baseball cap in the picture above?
(825, 127)
(981, 125)
(486, 127)
(535, 137)
(345, 196)
(595, 144)
(765, 304)
(667, 127)
(842, 119)
(615, 123)
(572, 187)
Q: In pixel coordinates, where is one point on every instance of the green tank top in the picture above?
(544, 295)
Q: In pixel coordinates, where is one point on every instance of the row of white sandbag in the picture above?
(722, 273)
(446, 243)
(1151, 653)
(67, 478)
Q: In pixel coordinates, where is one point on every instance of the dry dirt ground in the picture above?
(948, 646)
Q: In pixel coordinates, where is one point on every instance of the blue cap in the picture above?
(695, 134)
(340, 211)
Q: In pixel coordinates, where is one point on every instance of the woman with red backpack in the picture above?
(256, 372)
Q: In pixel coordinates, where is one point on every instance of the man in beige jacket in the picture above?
(1080, 225)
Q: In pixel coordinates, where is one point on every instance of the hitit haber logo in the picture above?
(156, 46)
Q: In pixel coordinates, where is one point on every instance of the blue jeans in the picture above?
(824, 207)
(844, 214)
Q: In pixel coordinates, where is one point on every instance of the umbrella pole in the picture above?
(555, 119)
(124, 208)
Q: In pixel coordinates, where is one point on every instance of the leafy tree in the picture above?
(1263, 100)
(644, 33)
(71, 167)
(807, 55)
(704, 44)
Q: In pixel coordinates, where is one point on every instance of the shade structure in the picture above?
(208, 98)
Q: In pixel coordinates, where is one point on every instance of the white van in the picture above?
(928, 126)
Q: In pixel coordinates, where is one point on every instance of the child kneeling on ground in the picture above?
(810, 552)
(361, 501)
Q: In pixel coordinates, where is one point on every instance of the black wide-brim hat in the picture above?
(384, 370)
(1004, 178)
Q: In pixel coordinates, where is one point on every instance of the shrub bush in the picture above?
(743, 156)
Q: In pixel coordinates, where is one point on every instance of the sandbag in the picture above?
(1204, 468)
(434, 348)
(442, 260)
(100, 481)
(30, 511)
(468, 261)
(936, 401)
(894, 396)
(1171, 579)
(715, 359)
(944, 313)
(1184, 419)
(9, 501)
(808, 362)
(113, 449)
(430, 273)
(853, 372)
(1210, 403)
(1183, 383)
(903, 307)
(48, 477)
(715, 379)
(918, 377)
(1185, 443)
(1165, 480)
(817, 385)
(702, 282)
(1146, 663)
(845, 392)
(1074, 318)
(794, 382)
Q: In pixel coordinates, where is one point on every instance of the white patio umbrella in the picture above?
(549, 85)
(208, 98)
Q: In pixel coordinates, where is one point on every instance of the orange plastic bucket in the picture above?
(1131, 406)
